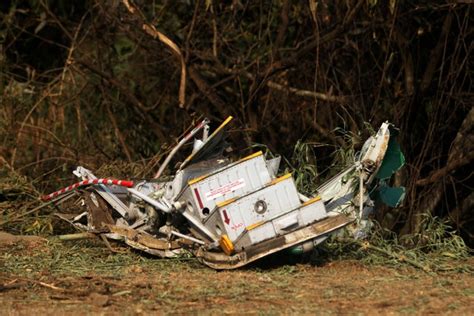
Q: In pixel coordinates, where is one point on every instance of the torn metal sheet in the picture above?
(229, 214)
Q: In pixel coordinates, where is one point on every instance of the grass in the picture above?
(80, 258)
(438, 249)
(130, 282)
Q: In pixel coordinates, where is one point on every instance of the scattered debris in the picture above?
(229, 214)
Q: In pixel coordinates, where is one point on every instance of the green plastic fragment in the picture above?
(295, 250)
(392, 196)
(393, 160)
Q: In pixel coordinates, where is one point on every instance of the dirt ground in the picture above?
(40, 276)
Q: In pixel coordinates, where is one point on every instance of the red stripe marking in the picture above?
(127, 184)
(85, 183)
(198, 197)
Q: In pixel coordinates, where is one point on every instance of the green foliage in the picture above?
(437, 237)
(345, 155)
(124, 47)
(304, 168)
(437, 249)
(14, 186)
(18, 197)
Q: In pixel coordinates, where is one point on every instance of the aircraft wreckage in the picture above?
(229, 214)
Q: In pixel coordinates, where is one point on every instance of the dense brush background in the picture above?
(81, 83)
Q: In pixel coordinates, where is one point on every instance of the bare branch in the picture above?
(152, 31)
(438, 174)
